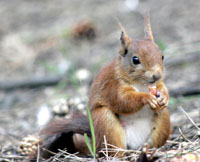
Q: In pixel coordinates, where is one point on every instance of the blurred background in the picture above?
(51, 50)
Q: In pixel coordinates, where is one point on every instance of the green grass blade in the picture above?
(92, 130)
(88, 144)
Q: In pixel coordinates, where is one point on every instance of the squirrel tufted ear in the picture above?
(147, 27)
(125, 41)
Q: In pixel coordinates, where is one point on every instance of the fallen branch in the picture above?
(189, 57)
(30, 83)
(53, 80)
(185, 91)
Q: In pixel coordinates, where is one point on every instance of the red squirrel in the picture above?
(123, 110)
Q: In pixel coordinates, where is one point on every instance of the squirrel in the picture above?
(123, 109)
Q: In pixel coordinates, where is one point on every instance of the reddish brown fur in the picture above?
(106, 91)
(111, 93)
(161, 129)
(108, 96)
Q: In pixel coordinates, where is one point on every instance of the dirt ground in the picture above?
(37, 42)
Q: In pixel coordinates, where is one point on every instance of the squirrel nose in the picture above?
(156, 77)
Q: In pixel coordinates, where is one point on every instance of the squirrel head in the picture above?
(141, 60)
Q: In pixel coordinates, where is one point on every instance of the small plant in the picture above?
(91, 149)
(162, 45)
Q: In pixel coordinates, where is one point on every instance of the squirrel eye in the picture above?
(163, 57)
(135, 60)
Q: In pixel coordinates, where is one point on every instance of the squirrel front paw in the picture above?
(151, 101)
(161, 98)
(162, 101)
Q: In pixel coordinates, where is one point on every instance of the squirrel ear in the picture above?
(147, 28)
(125, 41)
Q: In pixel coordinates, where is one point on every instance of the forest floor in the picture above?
(43, 62)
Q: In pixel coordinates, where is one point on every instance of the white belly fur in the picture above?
(138, 126)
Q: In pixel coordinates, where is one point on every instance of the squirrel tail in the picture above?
(59, 135)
